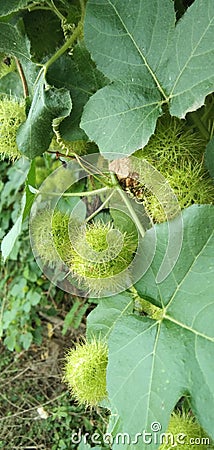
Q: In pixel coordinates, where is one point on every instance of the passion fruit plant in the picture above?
(120, 92)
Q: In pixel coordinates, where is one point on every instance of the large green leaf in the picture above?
(191, 64)
(35, 135)
(80, 75)
(11, 84)
(43, 27)
(12, 42)
(8, 6)
(152, 363)
(102, 319)
(150, 62)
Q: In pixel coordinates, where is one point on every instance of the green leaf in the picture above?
(126, 46)
(173, 356)
(209, 157)
(35, 135)
(102, 319)
(191, 62)
(33, 297)
(31, 180)
(10, 341)
(70, 317)
(120, 118)
(80, 75)
(8, 6)
(11, 85)
(43, 27)
(9, 240)
(150, 62)
(12, 42)
(26, 339)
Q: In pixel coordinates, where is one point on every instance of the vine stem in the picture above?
(75, 194)
(64, 47)
(200, 125)
(100, 208)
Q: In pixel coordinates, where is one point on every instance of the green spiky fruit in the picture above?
(99, 252)
(177, 153)
(50, 235)
(85, 372)
(186, 433)
(12, 114)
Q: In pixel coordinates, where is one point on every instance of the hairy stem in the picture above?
(64, 47)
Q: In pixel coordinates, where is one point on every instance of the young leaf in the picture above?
(150, 62)
(173, 356)
(35, 135)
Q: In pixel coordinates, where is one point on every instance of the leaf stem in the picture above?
(22, 76)
(64, 47)
(197, 121)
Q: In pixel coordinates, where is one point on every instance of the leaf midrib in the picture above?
(140, 53)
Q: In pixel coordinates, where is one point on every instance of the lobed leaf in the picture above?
(102, 319)
(13, 42)
(173, 356)
(191, 65)
(9, 6)
(150, 62)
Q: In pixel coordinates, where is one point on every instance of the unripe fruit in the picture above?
(177, 153)
(50, 235)
(85, 372)
(12, 114)
(99, 252)
(187, 434)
